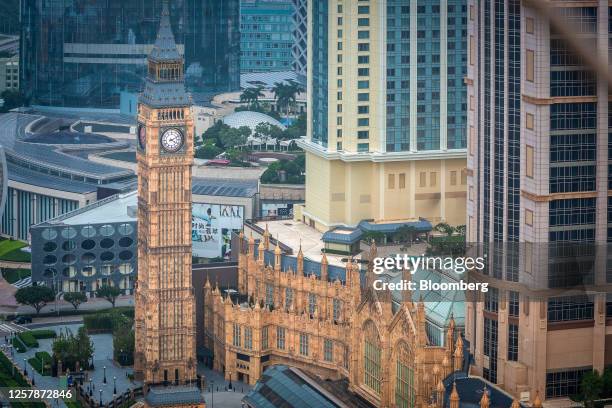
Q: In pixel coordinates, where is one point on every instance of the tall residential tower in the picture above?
(386, 115)
(538, 195)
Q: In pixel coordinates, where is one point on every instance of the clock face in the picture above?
(172, 140)
(142, 136)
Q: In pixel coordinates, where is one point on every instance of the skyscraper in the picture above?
(538, 202)
(84, 53)
(266, 35)
(300, 37)
(165, 305)
(386, 119)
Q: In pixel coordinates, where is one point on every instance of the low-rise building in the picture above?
(9, 73)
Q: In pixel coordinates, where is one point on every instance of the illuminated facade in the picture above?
(325, 322)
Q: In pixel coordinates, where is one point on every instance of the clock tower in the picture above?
(165, 307)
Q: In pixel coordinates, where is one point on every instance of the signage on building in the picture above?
(211, 228)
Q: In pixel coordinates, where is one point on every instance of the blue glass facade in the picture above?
(320, 77)
(84, 53)
(266, 35)
(24, 208)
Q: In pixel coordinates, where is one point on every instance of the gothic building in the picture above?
(326, 321)
(165, 305)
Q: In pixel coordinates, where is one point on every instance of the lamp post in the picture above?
(100, 396)
(81, 380)
(33, 381)
(230, 380)
(25, 370)
(104, 379)
(91, 387)
(212, 395)
(114, 385)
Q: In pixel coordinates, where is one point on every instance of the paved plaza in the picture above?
(103, 357)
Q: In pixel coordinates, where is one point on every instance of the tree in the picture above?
(12, 99)
(591, 387)
(75, 298)
(123, 344)
(251, 96)
(109, 293)
(208, 150)
(35, 296)
(445, 228)
(71, 349)
(460, 229)
(405, 233)
(285, 94)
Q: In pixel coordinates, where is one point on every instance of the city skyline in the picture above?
(235, 177)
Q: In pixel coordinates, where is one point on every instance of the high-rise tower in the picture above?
(539, 201)
(165, 308)
(386, 112)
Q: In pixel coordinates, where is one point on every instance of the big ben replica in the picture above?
(165, 308)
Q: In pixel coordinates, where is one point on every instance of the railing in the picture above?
(122, 400)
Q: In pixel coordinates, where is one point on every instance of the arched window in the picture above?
(404, 377)
(371, 357)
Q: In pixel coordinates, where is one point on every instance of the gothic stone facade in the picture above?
(329, 327)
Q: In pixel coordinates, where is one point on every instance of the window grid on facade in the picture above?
(569, 308)
(304, 344)
(237, 334)
(372, 366)
(264, 338)
(513, 347)
(280, 338)
(564, 383)
(248, 338)
(328, 350)
(404, 386)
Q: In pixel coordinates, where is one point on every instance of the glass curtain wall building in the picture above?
(267, 35)
(538, 182)
(84, 53)
(388, 105)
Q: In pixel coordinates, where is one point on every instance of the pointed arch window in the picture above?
(404, 377)
(372, 357)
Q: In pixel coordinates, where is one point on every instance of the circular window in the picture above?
(88, 258)
(68, 245)
(126, 242)
(107, 256)
(107, 270)
(88, 244)
(49, 233)
(126, 229)
(49, 273)
(69, 272)
(69, 259)
(107, 230)
(88, 271)
(107, 243)
(69, 233)
(49, 246)
(49, 260)
(126, 269)
(125, 255)
(88, 231)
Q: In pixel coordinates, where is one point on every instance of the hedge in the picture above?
(107, 321)
(37, 363)
(28, 339)
(14, 275)
(18, 345)
(43, 334)
(16, 380)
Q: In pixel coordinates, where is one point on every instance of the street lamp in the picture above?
(25, 370)
(81, 380)
(212, 395)
(230, 381)
(100, 396)
(104, 379)
(91, 387)
(114, 385)
(33, 381)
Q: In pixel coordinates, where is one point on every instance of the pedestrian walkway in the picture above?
(6, 328)
(23, 283)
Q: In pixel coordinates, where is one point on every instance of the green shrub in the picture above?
(19, 346)
(43, 334)
(42, 361)
(28, 339)
(13, 275)
(108, 321)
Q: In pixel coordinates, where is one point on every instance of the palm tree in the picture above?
(251, 95)
(285, 94)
